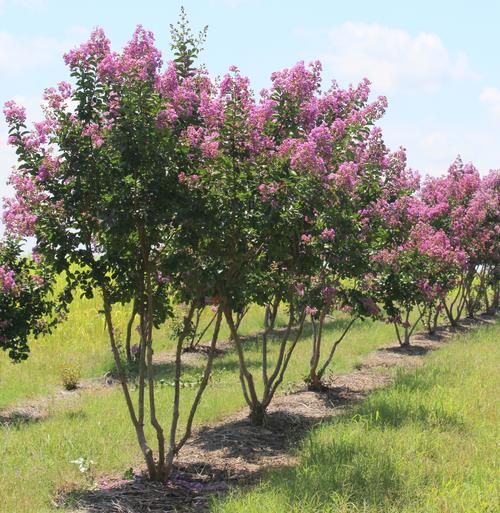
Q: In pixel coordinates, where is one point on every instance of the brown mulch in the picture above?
(232, 453)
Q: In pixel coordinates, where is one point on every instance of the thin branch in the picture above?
(177, 387)
(128, 336)
(286, 361)
(139, 428)
(203, 384)
(205, 329)
(334, 347)
(245, 374)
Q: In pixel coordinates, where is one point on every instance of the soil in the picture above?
(232, 453)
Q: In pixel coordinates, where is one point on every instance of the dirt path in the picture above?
(233, 453)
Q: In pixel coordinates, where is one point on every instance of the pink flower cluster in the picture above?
(19, 212)
(467, 208)
(7, 281)
(14, 113)
(351, 186)
(93, 51)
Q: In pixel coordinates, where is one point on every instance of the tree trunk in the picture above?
(271, 382)
(138, 424)
(128, 337)
(258, 415)
(315, 383)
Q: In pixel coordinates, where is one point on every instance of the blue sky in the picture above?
(437, 62)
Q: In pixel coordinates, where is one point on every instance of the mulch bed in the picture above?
(232, 453)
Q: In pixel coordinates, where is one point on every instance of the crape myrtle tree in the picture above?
(159, 188)
(26, 307)
(478, 229)
(98, 187)
(341, 234)
(287, 177)
(470, 227)
(484, 211)
(243, 240)
(414, 276)
(415, 264)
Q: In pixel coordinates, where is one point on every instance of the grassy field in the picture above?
(81, 342)
(95, 425)
(428, 444)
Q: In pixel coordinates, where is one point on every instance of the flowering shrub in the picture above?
(466, 208)
(25, 306)
(155, 186)
(98, 187)
(415, 274)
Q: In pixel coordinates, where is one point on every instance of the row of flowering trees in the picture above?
(157, 186)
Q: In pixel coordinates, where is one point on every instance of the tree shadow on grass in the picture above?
(234, 452)
(217, 458)
(238, 439)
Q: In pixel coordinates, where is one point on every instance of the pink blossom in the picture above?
(93, 131)
(161, 279)
(300, 288)
(329, 293)
(14, 113)
(95, 49)
(166, 117)
(328, 234)
(210, 145)
(370, 305)
(37, 280)
(7, 281)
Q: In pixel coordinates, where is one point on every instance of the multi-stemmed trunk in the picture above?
(473, 293)
(490, 290)
(159, 464)
(496, 287)
(237, 322)
(316, 373)
(258, 404)
(405, 331)
(196, 336)
(454, 305)
(430, 317)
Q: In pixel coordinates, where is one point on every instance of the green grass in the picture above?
(81, 342)
(429, 443)
(95, 425)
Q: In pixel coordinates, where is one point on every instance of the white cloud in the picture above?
(393, 59)
(432, 147)
(491, 96)
(18, 54)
